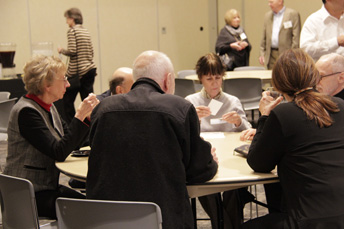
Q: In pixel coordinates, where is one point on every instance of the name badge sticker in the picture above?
(288, 24)
(243, 36)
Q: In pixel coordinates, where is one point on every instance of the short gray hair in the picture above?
(335, 60)
(153, 65)
(76, 14)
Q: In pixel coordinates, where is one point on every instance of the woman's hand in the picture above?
(86, 107)
(232, 117)
(236, 46)
(203, 111)
(213, 149)
(247, 135)
(243, 44)
(267, 103)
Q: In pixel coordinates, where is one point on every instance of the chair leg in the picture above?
(194, 212)
(220, 211)
(255, 194)
(255, 201)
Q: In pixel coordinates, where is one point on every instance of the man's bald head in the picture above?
(121, 81)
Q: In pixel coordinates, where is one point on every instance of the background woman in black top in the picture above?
(233, 41)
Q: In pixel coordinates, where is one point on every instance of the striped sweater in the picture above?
(80, 51)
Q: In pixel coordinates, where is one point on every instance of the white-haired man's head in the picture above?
(156, 66)
(331, 69)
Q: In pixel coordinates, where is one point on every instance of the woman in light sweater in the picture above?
(229, 118)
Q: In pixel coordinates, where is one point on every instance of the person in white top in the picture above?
(229, 118)
(323, 31)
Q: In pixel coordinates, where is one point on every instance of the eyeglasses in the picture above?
(65, 79)
(332, 74)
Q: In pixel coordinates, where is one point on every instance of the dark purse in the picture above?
(227, 61)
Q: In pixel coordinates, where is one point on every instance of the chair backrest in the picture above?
(4, 95)
(183, 73)
(18, 205)
(184, 87)
(248, 90)
(104, 214)
(5, 110)
(248, 68)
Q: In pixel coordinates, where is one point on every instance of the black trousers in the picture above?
(233, 203)
(45, 200)
(277, 217)
(86, 87)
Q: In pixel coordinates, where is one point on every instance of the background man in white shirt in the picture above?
(323, 31)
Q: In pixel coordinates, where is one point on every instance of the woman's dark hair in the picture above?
(324, 1)
(295, 74)
(74, 13)
(210, 64)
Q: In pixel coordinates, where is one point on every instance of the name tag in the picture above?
(288, 24)
(243, 36)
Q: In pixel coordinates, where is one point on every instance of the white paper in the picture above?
(215, 121)
(215, 106)
(288, 24)
(212, 135)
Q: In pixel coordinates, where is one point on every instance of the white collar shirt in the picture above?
(276, 25)
(319, 34)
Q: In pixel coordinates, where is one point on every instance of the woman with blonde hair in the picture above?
(37, 136)
(304, 138)
(232, 41)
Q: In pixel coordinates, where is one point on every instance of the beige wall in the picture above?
(253, 11)
(121, 29)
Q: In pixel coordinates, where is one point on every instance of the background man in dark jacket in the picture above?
(146, 144)
(119, 83)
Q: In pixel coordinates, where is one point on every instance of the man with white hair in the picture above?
(331, 69)
(146, 144)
